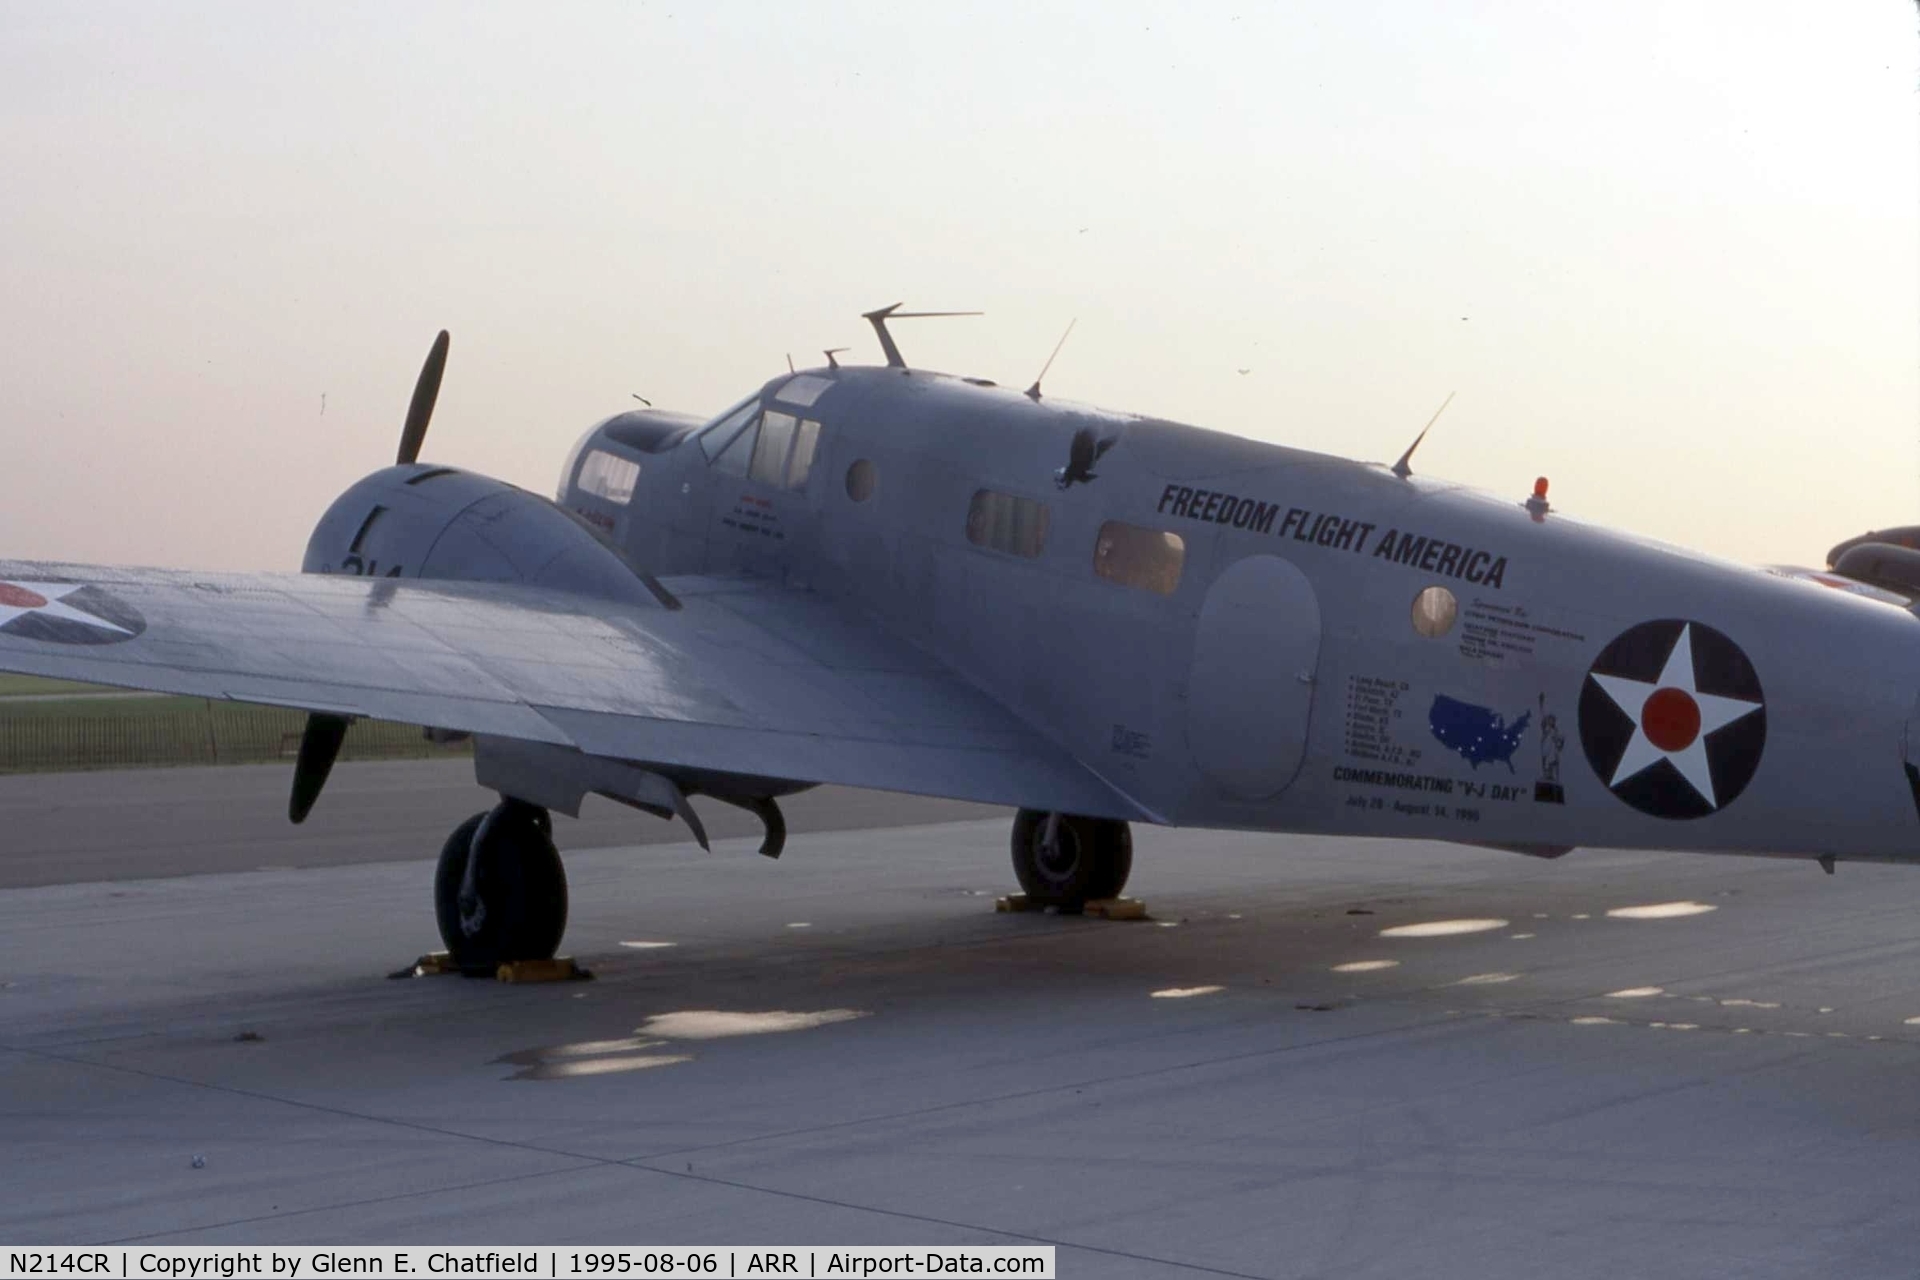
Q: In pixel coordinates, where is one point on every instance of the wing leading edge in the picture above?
(743, 677)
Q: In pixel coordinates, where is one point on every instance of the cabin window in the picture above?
(1134, 557)
(1434, 611)
(1002, 522)
(729, 427)
(605, 476)
(862, 479)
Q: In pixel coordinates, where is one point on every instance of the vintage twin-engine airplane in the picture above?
(890, 578)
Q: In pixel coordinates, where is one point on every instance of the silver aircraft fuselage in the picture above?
(1243, 635)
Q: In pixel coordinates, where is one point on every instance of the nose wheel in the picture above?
(499, 892)
(1065, 862)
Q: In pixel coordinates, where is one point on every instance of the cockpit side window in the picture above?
(783, 457)
(800, 464)
(773, 448)
(770, 455)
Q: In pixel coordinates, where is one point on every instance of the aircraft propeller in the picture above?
(319, 747)
(425, 392)
(320, 740)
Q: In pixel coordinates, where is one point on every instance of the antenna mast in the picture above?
(1033, 392)
(1404, 467)
(878, 319)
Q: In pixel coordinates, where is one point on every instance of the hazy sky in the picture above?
(1666, 253)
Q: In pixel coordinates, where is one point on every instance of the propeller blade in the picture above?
(425, 392)
(319, 746)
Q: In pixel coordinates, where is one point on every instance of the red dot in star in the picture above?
(17, 597)
(1670, 719)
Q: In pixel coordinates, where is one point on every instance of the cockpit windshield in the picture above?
(769, 446)
(715, 438)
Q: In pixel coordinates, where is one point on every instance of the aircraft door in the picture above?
(1250, 692)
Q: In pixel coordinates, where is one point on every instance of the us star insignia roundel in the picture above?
(66, 613)
(1672, 718)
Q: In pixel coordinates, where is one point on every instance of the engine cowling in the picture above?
(413, 521)
(416, 521)
(1881, 564)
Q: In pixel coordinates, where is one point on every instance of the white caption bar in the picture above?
(720, 1262)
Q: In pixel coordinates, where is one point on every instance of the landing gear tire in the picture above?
(1086, 860)
(500, 893)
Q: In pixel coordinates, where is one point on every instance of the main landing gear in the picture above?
(500, 893)
(1065, 861)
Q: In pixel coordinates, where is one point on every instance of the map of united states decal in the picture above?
(1480, 734)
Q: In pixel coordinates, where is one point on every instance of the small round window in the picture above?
(1434, 611)
(861, 479)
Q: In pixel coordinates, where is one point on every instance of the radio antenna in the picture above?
(878, 319)
(1033, 392)
(1404, 467)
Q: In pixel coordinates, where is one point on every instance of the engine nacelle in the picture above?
(419, 521)
(1881, 564)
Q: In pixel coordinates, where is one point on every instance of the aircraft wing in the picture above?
(741, 676)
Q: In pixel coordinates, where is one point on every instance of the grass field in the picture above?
(35, 686)
(56, 725)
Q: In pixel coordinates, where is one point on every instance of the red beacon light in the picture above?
(1537, 505)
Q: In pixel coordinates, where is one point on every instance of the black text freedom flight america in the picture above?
(1326, 529)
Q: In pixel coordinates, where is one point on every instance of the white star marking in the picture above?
(54, 593)
(1691, 760)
